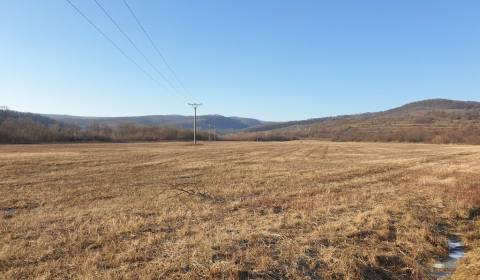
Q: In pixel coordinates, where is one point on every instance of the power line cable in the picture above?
(155, 46)
(99, 30)
(137, 48)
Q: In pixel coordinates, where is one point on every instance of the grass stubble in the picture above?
(236, 210)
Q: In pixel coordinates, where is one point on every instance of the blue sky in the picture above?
(273, 60)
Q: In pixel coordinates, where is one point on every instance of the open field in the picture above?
(291, 210)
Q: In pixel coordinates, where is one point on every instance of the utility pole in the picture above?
(195, 105)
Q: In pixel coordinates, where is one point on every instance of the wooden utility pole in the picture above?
(195, 105)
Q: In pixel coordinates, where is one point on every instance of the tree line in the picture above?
(25, 128)
(439, 127)
(458, 135)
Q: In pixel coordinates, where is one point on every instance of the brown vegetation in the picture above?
(432, 121)
(290, 210)
(24, 128)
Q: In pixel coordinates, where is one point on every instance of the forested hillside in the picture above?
(428, 121)
(204, 122)
(22, 128)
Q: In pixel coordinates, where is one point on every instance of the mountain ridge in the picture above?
(430, 121)
(204, 122)
(427, 104)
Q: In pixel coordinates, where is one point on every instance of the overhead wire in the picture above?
(174, 74)
(115, 45)
(135, 46)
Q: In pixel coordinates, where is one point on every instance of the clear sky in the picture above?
(273, 60)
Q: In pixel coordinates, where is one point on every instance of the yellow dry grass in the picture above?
(291, 210)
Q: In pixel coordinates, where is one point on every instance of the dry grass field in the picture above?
(236, 210)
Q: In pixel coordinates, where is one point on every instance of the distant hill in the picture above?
(432, 121)
(222, 123)
(427, 121)
(23, 128)
(28, 117)
(19, 127)
(436, 104)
